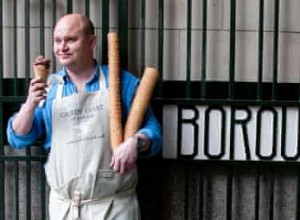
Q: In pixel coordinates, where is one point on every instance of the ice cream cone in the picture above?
(41, 71)
(41, 68)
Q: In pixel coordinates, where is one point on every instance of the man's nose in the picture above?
(64, 46)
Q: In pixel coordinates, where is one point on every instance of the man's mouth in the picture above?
(64, 55)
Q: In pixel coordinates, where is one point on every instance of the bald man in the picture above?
(87, 180)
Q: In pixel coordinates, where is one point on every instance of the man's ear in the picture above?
(93, 40)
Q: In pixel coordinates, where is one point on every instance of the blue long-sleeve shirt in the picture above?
(42, 123)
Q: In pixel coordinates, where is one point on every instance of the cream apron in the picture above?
(83, 185)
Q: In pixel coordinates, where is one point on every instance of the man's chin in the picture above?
(65, 62)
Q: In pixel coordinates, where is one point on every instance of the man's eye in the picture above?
(57, 41)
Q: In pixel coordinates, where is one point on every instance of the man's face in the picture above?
(71, 45)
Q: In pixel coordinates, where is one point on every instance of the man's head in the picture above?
(74, 40)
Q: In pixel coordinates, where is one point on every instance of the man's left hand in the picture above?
(125, 156)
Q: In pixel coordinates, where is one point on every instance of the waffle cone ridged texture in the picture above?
(42, 71)
(115, 112)
(141, 101)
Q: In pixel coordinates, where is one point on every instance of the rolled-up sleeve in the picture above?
(151, 128)
(22, 141)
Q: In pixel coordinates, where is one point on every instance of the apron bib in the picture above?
(83, 185)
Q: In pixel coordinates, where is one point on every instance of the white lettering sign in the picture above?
(231, 133)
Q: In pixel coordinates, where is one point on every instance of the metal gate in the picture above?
(215, 56)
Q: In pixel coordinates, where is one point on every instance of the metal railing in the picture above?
(194, 87)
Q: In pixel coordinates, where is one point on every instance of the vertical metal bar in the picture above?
(105, 29)
(87, 8)
(298, 91)
(188, 57)
(257, 194)
(43, 193)
(69, 6)
(27, 40)
(2, 188)
(201, 193)
(42, 27)
(298, 198)
(17, 209)
(232, 48)
(186, 192)
(160, 53)
(15, 49)
(229, 193)
(123, 32)
(160, 44)
(1, 60)
(143, 36)
(2, 164)
(271, 191)
(1, 51)
(27, 74)
(232, 133)
(204, 49)
(53, 22)
(42, 51)
(260, 49)
(275, 54)
(28, 184)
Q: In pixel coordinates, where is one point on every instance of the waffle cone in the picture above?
(41, 71)
(141, 102)
(115, 112)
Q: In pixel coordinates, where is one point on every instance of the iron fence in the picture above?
(150, 32)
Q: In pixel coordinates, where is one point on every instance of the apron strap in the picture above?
(59, 91)
(102, 81)
(77, 198)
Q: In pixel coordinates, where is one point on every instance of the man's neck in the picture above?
(81, 74)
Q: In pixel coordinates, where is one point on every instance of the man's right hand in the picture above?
(36, 93)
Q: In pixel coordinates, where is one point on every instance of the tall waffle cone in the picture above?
(115, 112)
(141, 101)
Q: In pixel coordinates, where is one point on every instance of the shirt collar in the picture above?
(94, 77)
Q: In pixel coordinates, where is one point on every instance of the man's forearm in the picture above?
(22, 123)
